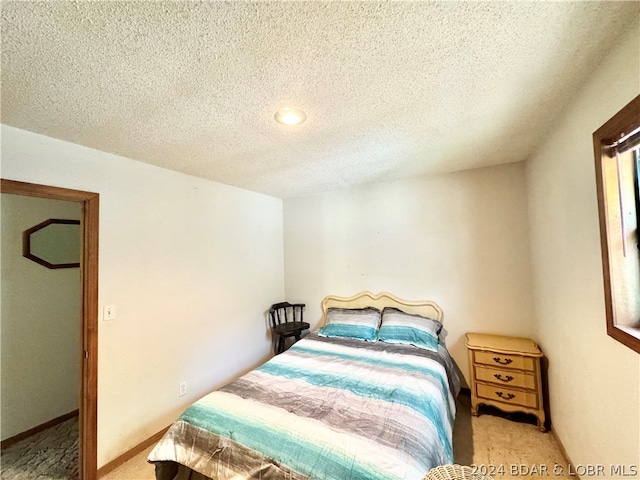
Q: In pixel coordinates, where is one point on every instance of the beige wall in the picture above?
(594, 380)
(191, 266)
(460, 239)
(40, 322)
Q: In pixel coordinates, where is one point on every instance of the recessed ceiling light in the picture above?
(290, 116)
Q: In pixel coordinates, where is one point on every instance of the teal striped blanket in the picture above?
(327, 408)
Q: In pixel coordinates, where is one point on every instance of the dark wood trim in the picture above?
(37, 429)
(623, 337)
(129, 454)
(569, 466)
(88, 421)
(44, 191)
(90, 215)
(623, 122)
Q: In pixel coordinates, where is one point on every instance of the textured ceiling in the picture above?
(391, 89)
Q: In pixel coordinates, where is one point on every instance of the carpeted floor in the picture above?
(48, 455)
(508, 446)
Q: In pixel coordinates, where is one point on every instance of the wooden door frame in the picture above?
(88, 422)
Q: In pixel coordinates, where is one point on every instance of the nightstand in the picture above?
(505, 373)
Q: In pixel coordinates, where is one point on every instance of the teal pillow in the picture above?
(359, 323)
(410, 329)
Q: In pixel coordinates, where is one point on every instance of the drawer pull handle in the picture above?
(506, 378)
(508, 396)
(506, 361)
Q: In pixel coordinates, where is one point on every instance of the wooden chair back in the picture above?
(285, 312)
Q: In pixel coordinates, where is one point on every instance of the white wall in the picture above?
(460, 239)
(40, 322)
(191, 266)
(594, 380)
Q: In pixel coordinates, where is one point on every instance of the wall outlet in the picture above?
(109, 313)
(182, 389)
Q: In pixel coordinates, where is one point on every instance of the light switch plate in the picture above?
(109, 313)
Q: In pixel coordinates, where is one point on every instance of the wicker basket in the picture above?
(455, 472)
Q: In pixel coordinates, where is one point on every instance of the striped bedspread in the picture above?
(327, 408)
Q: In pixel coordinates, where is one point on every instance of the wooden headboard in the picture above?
(381, 300)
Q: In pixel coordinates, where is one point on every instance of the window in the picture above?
(617, 158)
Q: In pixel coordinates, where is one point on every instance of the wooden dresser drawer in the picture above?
(504, 360)
(506, 374)
(506, 395)
(509, 378)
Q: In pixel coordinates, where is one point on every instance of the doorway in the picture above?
(87, 424)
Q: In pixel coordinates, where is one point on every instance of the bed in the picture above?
(370, 395)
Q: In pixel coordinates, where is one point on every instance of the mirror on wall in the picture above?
(54, 243)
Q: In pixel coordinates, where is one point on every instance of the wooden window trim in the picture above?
(625, 121)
